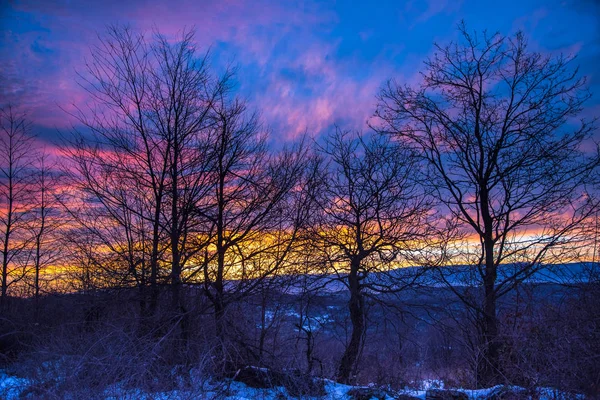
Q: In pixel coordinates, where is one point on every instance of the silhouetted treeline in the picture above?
(167, 240)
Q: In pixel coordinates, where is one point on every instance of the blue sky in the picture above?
(305, 65)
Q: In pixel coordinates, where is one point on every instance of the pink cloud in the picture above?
(46, 90)
(335, 98)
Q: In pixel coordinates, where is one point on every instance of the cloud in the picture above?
(304, 65)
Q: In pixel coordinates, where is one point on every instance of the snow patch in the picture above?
(11, 387)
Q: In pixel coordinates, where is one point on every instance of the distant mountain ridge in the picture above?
(455, 275)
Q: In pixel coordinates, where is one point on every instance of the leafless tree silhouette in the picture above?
(142, 160)
(373, 214)
(16, 165)
(494, 122)
(253, 213)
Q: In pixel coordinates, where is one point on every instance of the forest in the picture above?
(167, 245)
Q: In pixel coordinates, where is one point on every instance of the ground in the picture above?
(13, 388)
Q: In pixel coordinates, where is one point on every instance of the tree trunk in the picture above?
(4, 280)
(488, 363)
(357, 317)
(219, 318)
(225, 362)
(310, 344)
(176, 281)
(175, 232)
(488, 367)
(6, 244)
(263, 328)
(154, 257)
(38, 246)
(5, 269)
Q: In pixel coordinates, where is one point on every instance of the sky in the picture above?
(304, 65)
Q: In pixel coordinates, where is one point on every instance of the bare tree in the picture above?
(184, 110)
(15, 193)
(372, 214)
(251, 219)
(494, 122)
(46, 219)
(142, 160)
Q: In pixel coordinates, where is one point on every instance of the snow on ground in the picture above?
(11, 388)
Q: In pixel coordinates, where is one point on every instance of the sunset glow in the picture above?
(300, 199)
